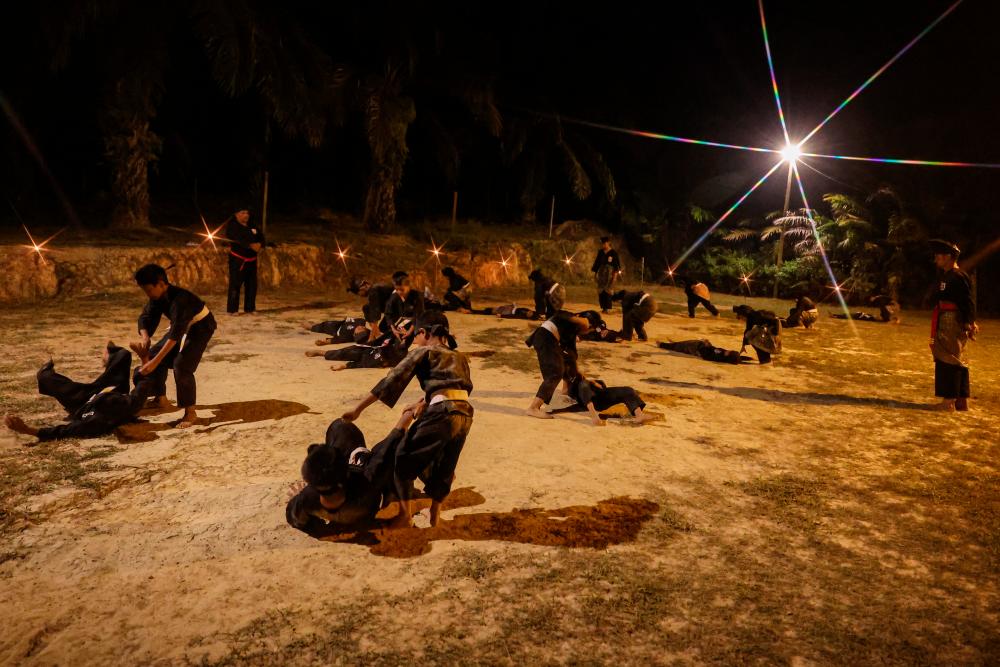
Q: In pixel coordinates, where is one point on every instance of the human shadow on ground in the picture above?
(798, 397)
(612, 521)
(243, 412)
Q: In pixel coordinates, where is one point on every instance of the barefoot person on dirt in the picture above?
(595, 396)
(606, 268)
(433, 445)
(953, 324)
(95, 408)
(347, 330)
(191, 327)
(377, 296)
(637, 309)
(554, 343)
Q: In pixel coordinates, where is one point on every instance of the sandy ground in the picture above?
(808, 512)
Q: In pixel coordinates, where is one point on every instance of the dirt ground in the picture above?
(811, 512)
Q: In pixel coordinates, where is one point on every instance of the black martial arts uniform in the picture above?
(554, 343)
(693, 298)
(434, 442)
(637, 309)
(243, 265)
(599, 332)
(343, 331)
(459, 294)
(704, 349)
(511, 312)
(94, 408)
(585, 391)
(386, 352)
(191, 326)
(951, 322)
(888, 310)
(344, 465)
(378, 298)
(803, 313)
(762, 333)
(549, 295)
(606, 267)
(399, 308)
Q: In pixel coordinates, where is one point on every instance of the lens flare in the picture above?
(211, 235)
(883, 68)
(922, 163)
(770, 67)
(664, 137)
(39, 248)
(791, 152)
(701, 239)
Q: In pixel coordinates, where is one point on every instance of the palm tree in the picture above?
(250, 48)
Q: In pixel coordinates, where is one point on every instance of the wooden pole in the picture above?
(642, 272)
(552, 215)
(263, 208)
(454, 209)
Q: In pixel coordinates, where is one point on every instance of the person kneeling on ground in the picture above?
(433, 445)
(599, 331)
(803, 313)
(344, 484)
(762, 332)
(554, 343)
(703, 348)
(94, 408)
(459, 294)
(549, 295)
(637, 309)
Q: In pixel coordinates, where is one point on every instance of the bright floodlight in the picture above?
(791, 152)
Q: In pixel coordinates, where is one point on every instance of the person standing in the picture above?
(606, 267)
(247, 240)
(953, 324)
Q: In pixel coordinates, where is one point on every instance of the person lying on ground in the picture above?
(348, 330)
(344, 484)
(703, 348)
(599, 331)
(385, 352)
(888, 311)
(94, 408)
(595, 396)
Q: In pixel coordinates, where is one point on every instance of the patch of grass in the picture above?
(511, 352)
(471, 564)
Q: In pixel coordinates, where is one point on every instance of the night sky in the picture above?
(690, 69)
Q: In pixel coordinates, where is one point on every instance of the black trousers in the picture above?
(242, 274)
(550, 362)
(612, 396)
(636, 318)
(951, 380)
(604, 298)
(694, 300)
(306, 513)
(431, 449)
(184, 360)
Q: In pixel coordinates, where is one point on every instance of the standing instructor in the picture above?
(606, 268)
(247, 240)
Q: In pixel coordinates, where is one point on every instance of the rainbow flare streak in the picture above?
(925, 163)
(883, 68)
(668, 137)
(715, 225)
(770, 67)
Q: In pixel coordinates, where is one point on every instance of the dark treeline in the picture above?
(146, 112)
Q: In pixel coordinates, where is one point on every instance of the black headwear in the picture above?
(325, 467)
(356, 284)
(942, 247)
(536, 275)
(399, 276)
(448, 271)
(605, 239)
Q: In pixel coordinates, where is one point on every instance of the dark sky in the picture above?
(692, 69)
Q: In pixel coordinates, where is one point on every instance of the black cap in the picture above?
(942, 247)
(605, 239)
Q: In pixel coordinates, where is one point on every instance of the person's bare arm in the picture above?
(352, 415)
(152, 364)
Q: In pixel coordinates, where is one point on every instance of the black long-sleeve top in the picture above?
(542, 287)
(609, 258)
(764, 318)
(378, 298)
(412, 306)
(630, 300)
(242, 236)
(178, 304)
(436, 367)
(956, 287)
(101, 414)
(456, 282)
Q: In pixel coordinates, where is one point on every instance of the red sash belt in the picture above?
(942, 306)
(245, 259)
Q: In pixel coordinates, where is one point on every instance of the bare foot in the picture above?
(16, 424)
(338, 367)
(159, 402)
(324, 341)
(435, 513)
(538, 413)
(944, 406)
(314, 353)
(597, 421)
(642, 417)
(189, 418)
(307, 327)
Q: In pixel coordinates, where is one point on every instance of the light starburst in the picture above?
(39, 248)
